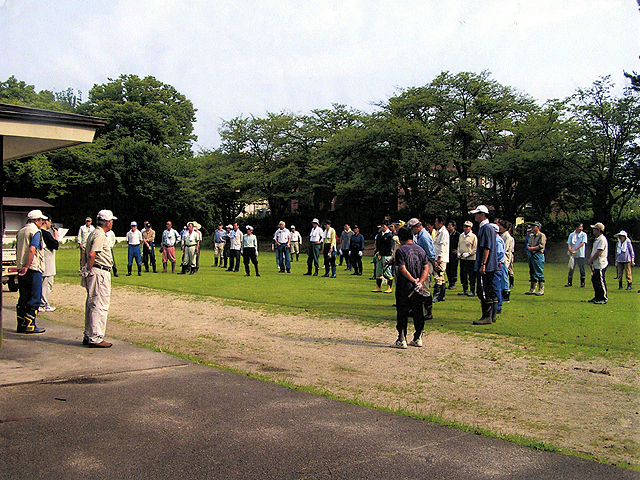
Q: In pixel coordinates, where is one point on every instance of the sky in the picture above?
(243, 57)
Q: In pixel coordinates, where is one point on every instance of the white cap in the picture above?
(621, 233)
(249, 227)
(36, 215)
(106, 215)
(495, 227)
(480, 209)
(315, 220)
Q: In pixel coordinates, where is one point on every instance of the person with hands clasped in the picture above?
(412, 266)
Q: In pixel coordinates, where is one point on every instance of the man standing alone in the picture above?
(97, 280)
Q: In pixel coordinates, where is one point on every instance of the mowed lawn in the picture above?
(561, 323)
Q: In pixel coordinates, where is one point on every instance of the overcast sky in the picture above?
(236, 57)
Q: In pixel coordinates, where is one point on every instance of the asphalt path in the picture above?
(67, 412)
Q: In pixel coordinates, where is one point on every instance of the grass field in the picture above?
(559, 324)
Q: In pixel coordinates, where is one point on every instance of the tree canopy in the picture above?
(460, 140)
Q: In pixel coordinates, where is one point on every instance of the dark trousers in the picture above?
(599, 284)
(485, 287)
(467, 275)
(329, 258)
(314, 256)
(234, 260)
(249, 255)
(148, 252)
(29, 291)
(452, 270)
(406, 305)
(356, 262)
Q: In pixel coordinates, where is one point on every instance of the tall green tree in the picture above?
(463, 120)
(604, 153)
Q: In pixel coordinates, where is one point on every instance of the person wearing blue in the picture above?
(576, 244)
(282, 239)
(30, 265)
(235, 246)
(499, 273)
(356, 247)
(170, 238)
(134, 240)
(536, 245)
(219, 241)
(485, 267)
(422, 238)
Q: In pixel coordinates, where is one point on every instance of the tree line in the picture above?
(461, 140)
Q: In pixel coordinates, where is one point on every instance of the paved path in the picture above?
(67, 412)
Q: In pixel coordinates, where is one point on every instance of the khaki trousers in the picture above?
(98, 284)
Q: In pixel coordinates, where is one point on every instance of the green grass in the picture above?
(560, 324)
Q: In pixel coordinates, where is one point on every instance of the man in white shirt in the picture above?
(282, 239)
(296, 242)
(83, 234)
(576, 250)
(441, 247)
(599, 262)
(134, 240)
(315, 241)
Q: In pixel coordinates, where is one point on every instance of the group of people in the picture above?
(412, 254)
(625, 258)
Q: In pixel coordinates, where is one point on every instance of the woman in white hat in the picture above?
(625, 258)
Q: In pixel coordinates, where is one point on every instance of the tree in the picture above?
(605, 151)
(463, 120)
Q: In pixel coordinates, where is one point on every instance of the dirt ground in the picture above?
(591, 407)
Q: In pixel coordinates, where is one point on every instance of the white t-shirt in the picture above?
(601, 243)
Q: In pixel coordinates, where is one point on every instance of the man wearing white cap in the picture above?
(134, 240)
(467, 245)
(315, 241)
(30, 265)
(96, 278)
(625, 258)
(599, 263)
(296, 242)
(485, 266)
